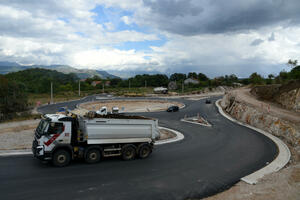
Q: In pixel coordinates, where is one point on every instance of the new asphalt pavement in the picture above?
(207, 161)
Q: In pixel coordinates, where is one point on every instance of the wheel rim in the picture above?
(144, 152)
(129, 153)
(93, 156)
(61, 158)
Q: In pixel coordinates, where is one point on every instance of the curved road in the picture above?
(207, 161)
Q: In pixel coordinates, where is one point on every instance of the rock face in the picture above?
(287, 95)
(253, 116)
(290, 100)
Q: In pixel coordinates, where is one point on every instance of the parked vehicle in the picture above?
(208, 101)
(61, 138)
(103, 110)
(173, 109)
(62, 109)
(160, 90)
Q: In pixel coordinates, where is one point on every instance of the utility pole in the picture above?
(79, 88)
(51, 100)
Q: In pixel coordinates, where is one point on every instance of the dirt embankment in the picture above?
(17, 135)
(286, 95)
(265, 115)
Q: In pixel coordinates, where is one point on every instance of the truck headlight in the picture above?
(39, 150)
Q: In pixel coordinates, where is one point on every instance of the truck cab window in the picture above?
(55, 128)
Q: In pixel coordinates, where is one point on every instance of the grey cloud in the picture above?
(271, 38)
(47, 8)
(170, 8)
(194, 17)
(242, 69)
(256, 42)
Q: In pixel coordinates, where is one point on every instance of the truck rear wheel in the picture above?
(93, 156)
(128, 152)
(144, 151)
(61, 158)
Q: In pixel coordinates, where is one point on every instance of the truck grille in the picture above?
(34, 145)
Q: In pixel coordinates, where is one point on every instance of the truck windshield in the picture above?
(40, 130)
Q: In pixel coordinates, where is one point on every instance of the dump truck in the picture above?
(62, 138)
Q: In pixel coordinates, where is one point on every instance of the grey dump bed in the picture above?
(119, 129)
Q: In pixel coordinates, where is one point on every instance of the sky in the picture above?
(128, 37)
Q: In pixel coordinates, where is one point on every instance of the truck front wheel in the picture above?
(128, 152)
(93, 156)
(61, 158)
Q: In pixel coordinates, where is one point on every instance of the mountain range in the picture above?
(7, 67)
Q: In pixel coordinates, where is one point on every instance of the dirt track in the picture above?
(265, 106)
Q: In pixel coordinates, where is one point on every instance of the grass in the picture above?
(33, 99)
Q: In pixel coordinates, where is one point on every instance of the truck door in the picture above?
(58, 132)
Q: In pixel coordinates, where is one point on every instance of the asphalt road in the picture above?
(207, 161)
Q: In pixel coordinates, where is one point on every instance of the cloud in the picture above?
(126, 20)
(194, 17)
(256, 42)
(272, 37)
(48, 33)
(212, 37)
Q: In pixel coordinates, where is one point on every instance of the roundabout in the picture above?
(208, 160)
(131, 106)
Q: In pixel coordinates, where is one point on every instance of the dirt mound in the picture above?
(271, 92)
(265, 92)
(287, 95)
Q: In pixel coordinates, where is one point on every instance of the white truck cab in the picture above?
(51, 133)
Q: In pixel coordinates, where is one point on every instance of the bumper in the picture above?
(38, 152)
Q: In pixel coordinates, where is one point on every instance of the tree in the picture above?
(271, 76)
(192, 75)
(270, 79)
(115, 82)
(202, 77)
(177, 77)
(37, 80)
(12, 97)
(256, 79)
(295, 73)
(292, 63)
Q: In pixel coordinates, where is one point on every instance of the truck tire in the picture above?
(61, 158)
(144, 151)
(93, 156)
(128, 152)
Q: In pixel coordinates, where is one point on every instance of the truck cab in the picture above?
(54, 131)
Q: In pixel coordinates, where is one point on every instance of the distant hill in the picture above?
(7, 67)
(37, 80)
